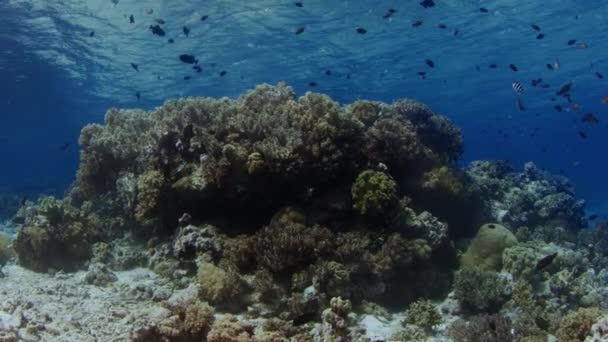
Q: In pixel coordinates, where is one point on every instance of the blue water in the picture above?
(55, 77)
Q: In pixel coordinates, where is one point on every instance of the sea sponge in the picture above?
(423, 314)
(485, 251)
(373, 192)
(481, 291)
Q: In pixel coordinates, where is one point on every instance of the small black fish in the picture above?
(550, 66)
(558, 108)
(157, 30)
(593, 217)
(135, 66)
(186, 30)
(361, 30)
(301, 29)
(187, 78)
(540, 36)
(188, 59)
(492, 66)
(422, 74)
(389, 13)
(513, 67)
(441, 26)
(582, 134)
(205, 17)
(298, 4)
(483, 10)
(160, 21)
(571, 42)
(535, 27)
(456, 32)
(138, 95)
(564, 90)
(64, 146)
(545, 261)
(417, 23)
(312, 84)
(348, 76)
(590, 118)
(430, 63)
(171, 41)
(131, 19)
(599, 75)
(223, 73)
(197, 68)
(427, 3)
(92, 34)
(328, 72)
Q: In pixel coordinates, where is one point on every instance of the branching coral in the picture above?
(373, 192)
(284, 247)
(423, 314)
(481, 291)
(577, 325)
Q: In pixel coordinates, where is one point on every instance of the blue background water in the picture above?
(55, 77)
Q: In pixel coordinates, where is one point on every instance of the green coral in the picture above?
(51, 208)
(443, 179)
(485, 251)
(373, 192)
(149, 195)
(219, 286)
(423, 314)
(577, 325)
(59, 237)
(6, 249)
(481, 291)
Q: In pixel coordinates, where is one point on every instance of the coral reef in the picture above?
(56, 235)
(532, 198)
(275, 218)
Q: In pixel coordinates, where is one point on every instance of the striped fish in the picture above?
(517, 88)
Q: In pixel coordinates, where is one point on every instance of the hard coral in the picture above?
(484, 328)
(268, 148)
(219, 286)
(281, 247)
(6, 250)
(374, 192)
(57, 236)
(423, 314)
(480, 291)
(577, 325)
